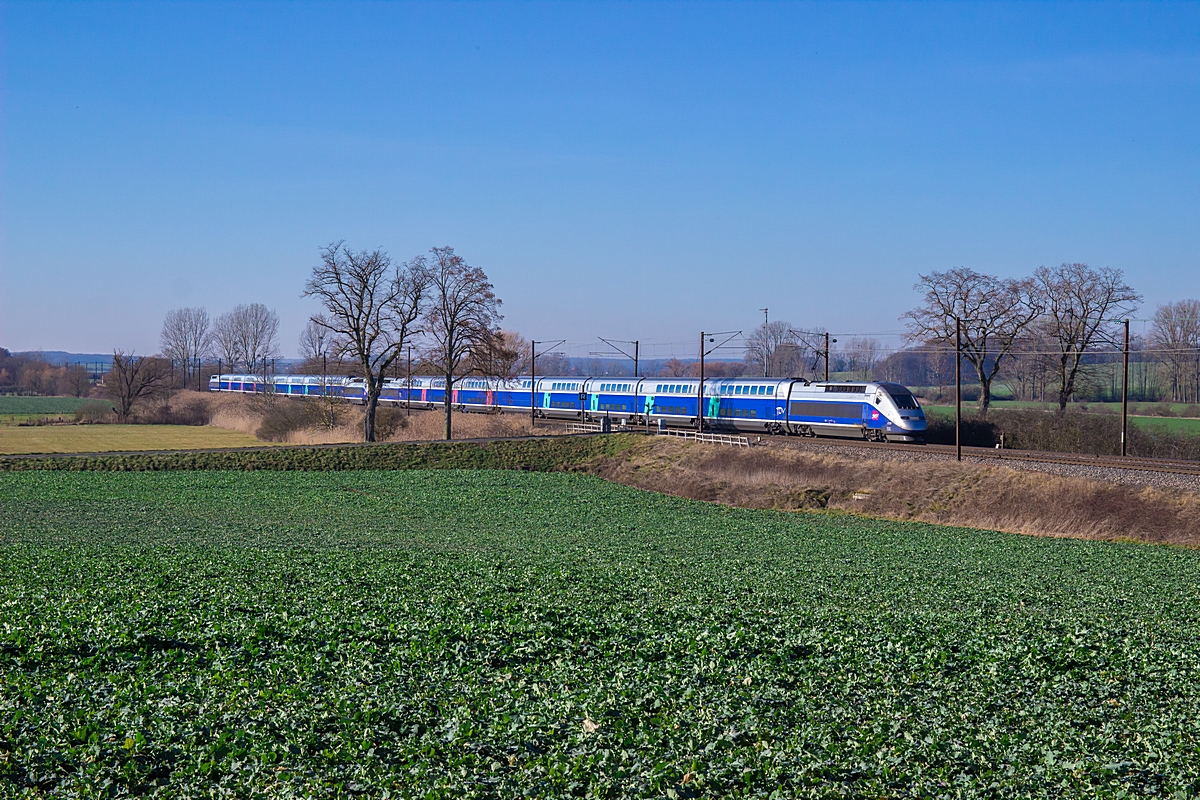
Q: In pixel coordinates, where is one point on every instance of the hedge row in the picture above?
(539, 455)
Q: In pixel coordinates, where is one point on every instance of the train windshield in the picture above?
(903, 399)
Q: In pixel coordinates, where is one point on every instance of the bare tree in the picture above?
(258, 330)
(773, 349)
(373, 310)
(1081, 306)
(863, 354)
(75, 381)
(724, 369)
(674, 368)
(315, 339)
(462, 315)
(225, 342)
(1176, 340)
(247, 337)
(554, 363)
(185, 337)
(133, 378)
(503, 354)
(1030, 368)
(993, 314)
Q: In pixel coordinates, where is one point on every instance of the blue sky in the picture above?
(629, 170)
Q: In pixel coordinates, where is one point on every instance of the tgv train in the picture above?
(866, 409)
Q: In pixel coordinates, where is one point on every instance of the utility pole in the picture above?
(827, 356)
(532, 383)
(958, 388)
(766, 357)
(711, 339)
(700, 392)
(408, 394)
(1125, 390)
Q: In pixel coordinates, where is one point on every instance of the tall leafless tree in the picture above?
(225, 343)
(554, 363)
(773, 349)
(1176, 341)
(863, 354)
(503, 354)
(75, 381)
(993, 314)
(258, 328)
(133, 378)
(462, 315)
(316, 339)
(373, 310)
(1081, 309)
(185, 337)
(247, 337)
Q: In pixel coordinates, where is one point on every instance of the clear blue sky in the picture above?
(624, 170)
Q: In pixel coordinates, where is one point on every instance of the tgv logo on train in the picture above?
(870, 410)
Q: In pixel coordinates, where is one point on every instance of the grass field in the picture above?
(110, 438)
(42, 405)
(505, 634)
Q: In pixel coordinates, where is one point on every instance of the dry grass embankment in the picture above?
(293, 421)
(994, 498)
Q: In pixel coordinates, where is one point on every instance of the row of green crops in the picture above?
(11, 404)
(505, 634)
(538, 454)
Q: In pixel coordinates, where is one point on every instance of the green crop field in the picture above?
(506, 634)
(42, 405)
(1171, 424)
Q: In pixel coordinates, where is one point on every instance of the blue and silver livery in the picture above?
(872, 410)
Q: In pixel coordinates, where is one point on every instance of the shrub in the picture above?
(95, 412)
(281, 418)
(193, 411)
(975, 432)
(389, 420)
(1066, 432)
